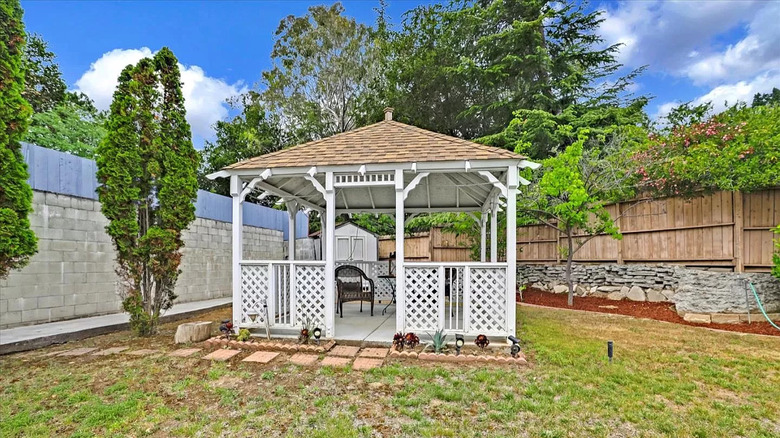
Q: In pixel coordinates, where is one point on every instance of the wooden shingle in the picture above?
(385, 142)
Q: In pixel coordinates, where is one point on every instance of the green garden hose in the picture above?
(761, 307)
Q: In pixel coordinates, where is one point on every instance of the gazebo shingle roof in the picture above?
(387, 141)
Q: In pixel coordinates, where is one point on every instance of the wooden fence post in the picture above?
(739, 232)
(619, 224)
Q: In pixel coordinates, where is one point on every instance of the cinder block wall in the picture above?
(73, 273)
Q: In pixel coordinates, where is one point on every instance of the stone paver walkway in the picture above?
(375, 353)
(221, 355)
(344, 350)
(261, 357)
(304, 359)
(184, 352)
(110, 351)
(142, 352)
(78, 352)
(340, 356)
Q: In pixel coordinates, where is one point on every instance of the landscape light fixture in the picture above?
(253, 315)
(610, 350)
(459, 342)
(317, 332)
(515, 349)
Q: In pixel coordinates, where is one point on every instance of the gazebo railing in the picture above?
(466, 298)
(293, 291)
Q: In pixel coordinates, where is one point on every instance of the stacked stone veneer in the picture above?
(691, 290)
(73, 273)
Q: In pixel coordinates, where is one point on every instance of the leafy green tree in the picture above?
(70, 127)
(17, 241)
(771, 98)
(251, 133)
(736, 150)
(147, 169)
(572, 191)
(323, 65)
(464, 69)
(44, 86)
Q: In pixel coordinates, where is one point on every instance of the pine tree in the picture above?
(147, 167)
(17, 240)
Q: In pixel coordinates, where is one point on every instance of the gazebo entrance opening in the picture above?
(387, 168)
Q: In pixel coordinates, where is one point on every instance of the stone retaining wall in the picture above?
(73, 273)
(703, 291)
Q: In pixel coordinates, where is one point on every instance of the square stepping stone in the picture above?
(184, 352)
(221, 355)
(375, 353)
(304, 359)
(344, 351)
(336, 362)
(110, 351)
(363, 363)
(142, 352)
(261, 356)
(78, 352)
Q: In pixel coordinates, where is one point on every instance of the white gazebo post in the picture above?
(494, 231)
(292, 209)
(235, 193)
(511, 247)
(482, 235)
(400, 276)
(329, 255)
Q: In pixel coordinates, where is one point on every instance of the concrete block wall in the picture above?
(73, 273)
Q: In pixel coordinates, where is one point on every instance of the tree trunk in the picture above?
(569, 258)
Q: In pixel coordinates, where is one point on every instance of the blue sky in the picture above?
(694, 50)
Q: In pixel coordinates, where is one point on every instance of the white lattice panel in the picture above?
(254, 292)
(422, 299)
(487, 300)
(310, 294)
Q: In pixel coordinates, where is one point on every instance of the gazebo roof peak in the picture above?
(387, 141)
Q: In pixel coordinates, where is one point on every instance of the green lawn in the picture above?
(667, 380)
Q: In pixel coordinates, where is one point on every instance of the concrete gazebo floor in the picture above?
(357, 326)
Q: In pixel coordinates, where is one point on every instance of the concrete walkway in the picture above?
(40, 335)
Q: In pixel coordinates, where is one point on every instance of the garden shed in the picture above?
(391, 168)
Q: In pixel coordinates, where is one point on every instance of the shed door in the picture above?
(350, 248)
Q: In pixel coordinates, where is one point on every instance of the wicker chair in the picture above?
(349, 281)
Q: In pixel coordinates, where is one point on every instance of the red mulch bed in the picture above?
(658, 311)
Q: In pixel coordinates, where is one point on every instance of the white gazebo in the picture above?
(391, 168)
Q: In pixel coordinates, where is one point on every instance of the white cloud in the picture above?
(757, 52)
(725, 95)
(204, 96)
(667, 35)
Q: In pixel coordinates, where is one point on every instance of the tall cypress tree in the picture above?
(147, 167)
(17, 241)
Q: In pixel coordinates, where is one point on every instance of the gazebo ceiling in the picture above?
(438, 191)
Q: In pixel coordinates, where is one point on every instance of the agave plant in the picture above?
(438, 341)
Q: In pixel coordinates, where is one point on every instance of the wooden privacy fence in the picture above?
(432, 246)
(727, 229)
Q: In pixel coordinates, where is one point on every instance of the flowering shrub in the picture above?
(738, 149)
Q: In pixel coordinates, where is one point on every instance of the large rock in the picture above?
(636, 294)
(560, 289)
(725, 318)
(698, 317)
(193, 332)
(616, 296)
(655, 296)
